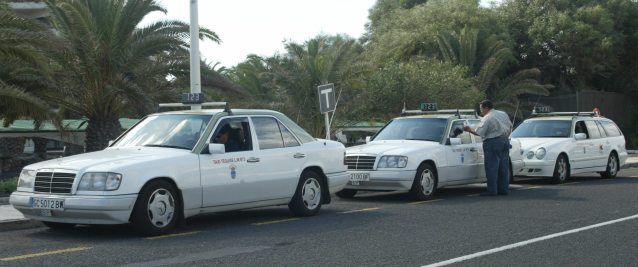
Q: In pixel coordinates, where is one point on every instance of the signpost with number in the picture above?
(327, 103)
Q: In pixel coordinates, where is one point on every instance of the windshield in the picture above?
(425, 129)
(543, 128)
(174, 130)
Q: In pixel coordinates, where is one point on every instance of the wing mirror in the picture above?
(580, 136)
(214, 148)
(368, 138)
(454, 141)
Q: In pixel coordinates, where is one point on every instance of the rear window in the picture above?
(610, 128)
(592, 129)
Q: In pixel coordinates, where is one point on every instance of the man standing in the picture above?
(494, 128)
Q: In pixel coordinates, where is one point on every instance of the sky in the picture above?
(261, 26)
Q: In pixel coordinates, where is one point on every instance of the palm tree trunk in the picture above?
(100, 131)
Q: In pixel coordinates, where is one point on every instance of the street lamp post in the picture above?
(194, 53)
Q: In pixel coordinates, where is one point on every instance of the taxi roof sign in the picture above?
(428, 107)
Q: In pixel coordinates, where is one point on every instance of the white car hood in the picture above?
(528, 143)
(108, 159)
(392, 147)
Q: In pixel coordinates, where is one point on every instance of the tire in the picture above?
(612, 167)
(561, 169)
(59, 226)
(425, 183)
(157, 209)
(346, 193)
(307, 199)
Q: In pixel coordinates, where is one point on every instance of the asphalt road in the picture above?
(376, 229)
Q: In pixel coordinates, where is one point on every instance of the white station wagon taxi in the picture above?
(178, 164)
(419, 154)
(560, 144)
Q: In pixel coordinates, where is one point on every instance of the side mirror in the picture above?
(580, 136)
(214, 148)
(111, 142)
(455, 141)
(368, 139)
(457, 131)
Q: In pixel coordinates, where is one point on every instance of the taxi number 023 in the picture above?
(47, 203)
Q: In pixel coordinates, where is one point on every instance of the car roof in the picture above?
(440, 116)
(216, 111)
(566, 118)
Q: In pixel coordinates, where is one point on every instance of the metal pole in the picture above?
(327, 125)
(194, 53)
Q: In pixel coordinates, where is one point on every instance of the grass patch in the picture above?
(8, 185)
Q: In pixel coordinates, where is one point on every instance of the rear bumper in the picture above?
(78, 209)
(390, 180)
(337, 181)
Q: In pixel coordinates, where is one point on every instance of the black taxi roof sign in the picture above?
(428, 107)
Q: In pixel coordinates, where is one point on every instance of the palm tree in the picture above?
(109, 66)
(23, 69)
(490, 60)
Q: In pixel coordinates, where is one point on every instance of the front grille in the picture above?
(360, 162)
(54, 182)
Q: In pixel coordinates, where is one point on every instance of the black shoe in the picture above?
(502, 194)
(487, 194)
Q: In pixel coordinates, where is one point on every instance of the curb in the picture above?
(20, 224)
(4, 200)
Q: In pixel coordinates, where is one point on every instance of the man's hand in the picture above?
(467, 128)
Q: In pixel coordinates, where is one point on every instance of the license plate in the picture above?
(359, 177)
(47, 203)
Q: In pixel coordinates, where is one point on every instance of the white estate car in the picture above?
(420, 154)
(560, 144)
(173, 165)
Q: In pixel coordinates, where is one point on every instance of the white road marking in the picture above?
(527, 242)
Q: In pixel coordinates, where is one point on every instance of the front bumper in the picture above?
(337, 181)
(78, 209)
(382, 180)
(537, 168)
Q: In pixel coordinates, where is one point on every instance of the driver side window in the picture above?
(234, 133)
(581, 128)
(456, 131)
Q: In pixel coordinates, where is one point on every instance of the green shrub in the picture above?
(8, 185)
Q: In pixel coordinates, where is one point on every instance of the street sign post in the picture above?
(327, 103)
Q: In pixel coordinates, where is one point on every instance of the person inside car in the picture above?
(223, 137)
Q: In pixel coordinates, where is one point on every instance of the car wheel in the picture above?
(346, 193)
(612, 167)
(59, 226)
(561, 169)
(425, 183)
(156, 209)
(307, 198)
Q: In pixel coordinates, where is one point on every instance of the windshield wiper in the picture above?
(421, 139)
(169, 146)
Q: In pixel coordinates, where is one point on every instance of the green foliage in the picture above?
(411, 83)
(8, 185)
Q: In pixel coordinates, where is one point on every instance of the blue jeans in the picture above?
(497, 164)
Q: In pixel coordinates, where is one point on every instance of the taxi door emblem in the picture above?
(233, 172)
(462, 157)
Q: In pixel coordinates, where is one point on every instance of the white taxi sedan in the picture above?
(175, 165)
(560, 144)
(420, 154)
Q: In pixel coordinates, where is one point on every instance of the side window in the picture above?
(289, 138)
(473, 124)
(268, 133)
(581, 128)
(234, 133)
(454, 132)
(611, 128)
(592, 129)
(602, 132)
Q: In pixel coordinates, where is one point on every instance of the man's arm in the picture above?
(470, 130)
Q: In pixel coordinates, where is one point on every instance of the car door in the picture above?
(478, 144)
(595, 156)
(462, 158)
(228, 178)
(605, 142)
(280, 157)
(578, 150)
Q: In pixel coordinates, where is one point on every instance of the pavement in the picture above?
(11, 217)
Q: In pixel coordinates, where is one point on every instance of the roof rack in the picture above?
(205, 104)
(550, 114)
(457, 112)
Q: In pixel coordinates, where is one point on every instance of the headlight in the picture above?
(540, 153)
(26, 179)
(100, 181)
(393, 162)
(530, 154)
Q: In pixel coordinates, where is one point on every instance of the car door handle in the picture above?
(299, 155)
(252, 160)
(473, 149)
